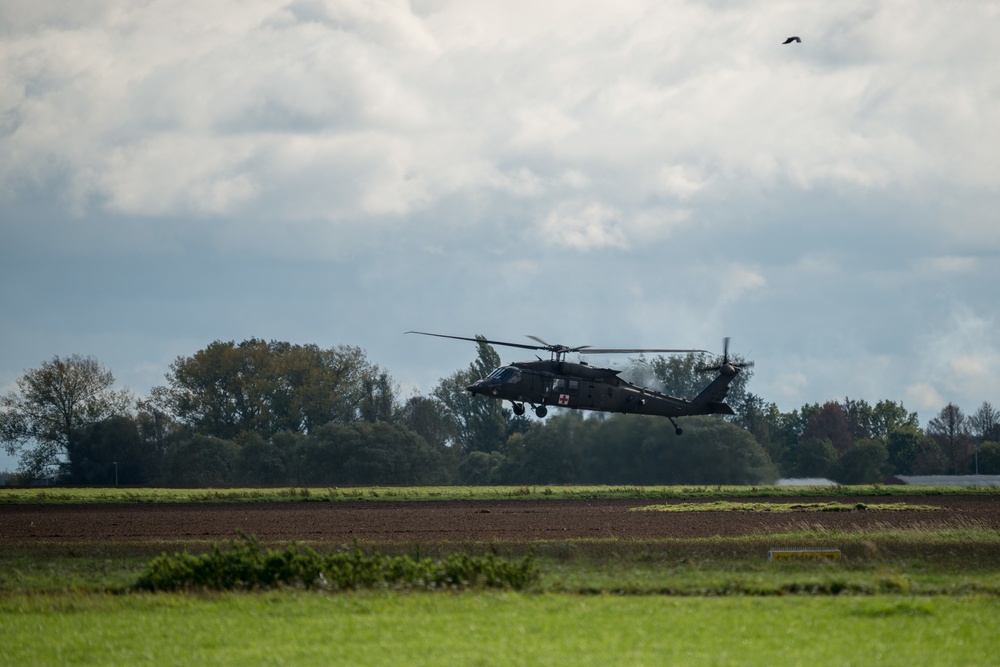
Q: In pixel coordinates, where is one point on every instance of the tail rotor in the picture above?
(726, 366)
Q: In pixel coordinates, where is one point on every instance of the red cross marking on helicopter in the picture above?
(563, 399)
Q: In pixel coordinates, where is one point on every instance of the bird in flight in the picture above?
(792, 39)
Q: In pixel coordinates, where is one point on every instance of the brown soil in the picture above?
(459, 521)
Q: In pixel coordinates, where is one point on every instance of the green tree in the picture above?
(426, 416)
(989, 458)
(830, 421)
(786, 430)
(712, 451)
(480, 468)
(913, 453)
(888, 416)
(763, 421)
(391, 454)
(551, 452)
(51, 404)
(950, 430)
(631, 449)
(621, 450)
(479, 423)
(813, 456)
(311, 458)
(366, 453)
(378, 396)
(864, 463)
(985, 423)
(267, 388)
(201, 461)
(111, 451)
(867, 421)
(156, 426)
(903, 446)
(859, 415)
(259, 461)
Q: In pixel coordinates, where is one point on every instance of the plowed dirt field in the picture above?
(458, 521)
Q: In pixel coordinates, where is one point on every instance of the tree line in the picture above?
(271, 412)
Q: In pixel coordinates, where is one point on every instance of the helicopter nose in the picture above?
(484, 386)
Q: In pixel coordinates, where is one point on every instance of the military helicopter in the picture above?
(579, 385)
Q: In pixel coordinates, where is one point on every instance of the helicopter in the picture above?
(578, 385)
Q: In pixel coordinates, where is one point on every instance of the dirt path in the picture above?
(457, 521)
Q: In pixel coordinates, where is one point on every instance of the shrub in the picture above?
(246, 566)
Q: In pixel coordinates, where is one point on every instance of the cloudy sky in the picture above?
(657, 173)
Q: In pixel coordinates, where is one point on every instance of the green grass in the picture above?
(920, 596)
(925, 561)
(299, 628)
(10, 495)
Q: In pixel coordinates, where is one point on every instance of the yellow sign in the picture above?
(803, 554)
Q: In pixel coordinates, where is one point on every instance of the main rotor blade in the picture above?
(482, 340)
(583, 349)
(637, 350)
(586, 349)
(561, 349)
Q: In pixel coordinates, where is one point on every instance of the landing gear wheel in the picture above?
(541, 411)
(518, 408)
(679, 431)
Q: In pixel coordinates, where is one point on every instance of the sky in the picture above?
(636, 173)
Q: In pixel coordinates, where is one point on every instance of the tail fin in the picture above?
(713, 396)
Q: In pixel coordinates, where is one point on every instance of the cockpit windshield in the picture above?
(505, 374)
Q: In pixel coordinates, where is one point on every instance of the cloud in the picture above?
(583, 226)
(951, 264)
(680, 181)
(788, 388)
(741, 281)
(693, 99)
(960, 357)
(660, 173)
(167, 175)
(924, 397)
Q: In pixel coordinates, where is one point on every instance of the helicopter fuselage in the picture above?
(584, 387)
(580, 386)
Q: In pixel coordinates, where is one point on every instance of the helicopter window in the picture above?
(511, 375)
(505, 374)
(560, 385)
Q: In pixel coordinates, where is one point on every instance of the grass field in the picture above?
(296, 628)
(900, 597)
(415, 493)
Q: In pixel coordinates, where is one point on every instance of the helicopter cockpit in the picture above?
(490, 385)
(505, 374)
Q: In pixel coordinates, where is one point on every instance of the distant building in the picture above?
(945, 480)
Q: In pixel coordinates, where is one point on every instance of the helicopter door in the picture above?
(566, 392)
